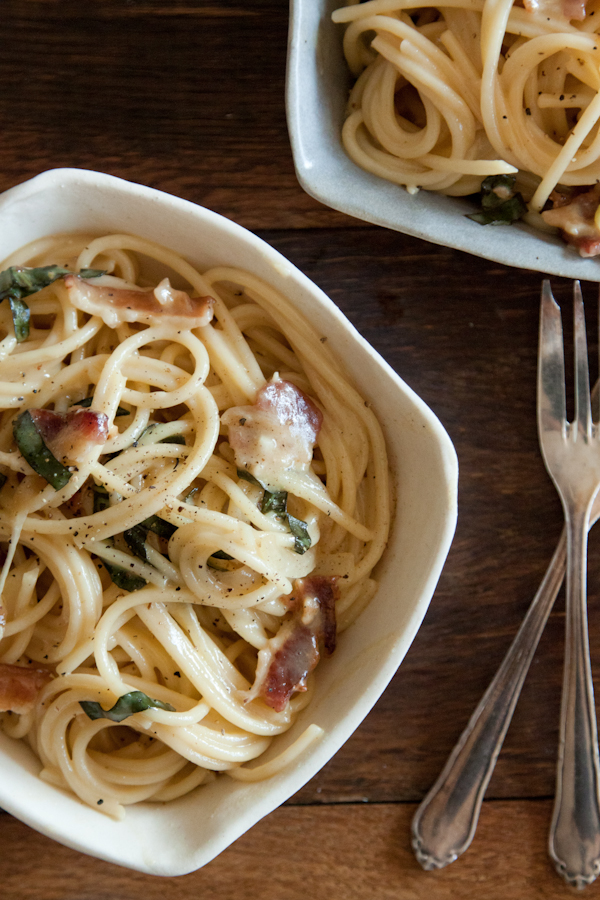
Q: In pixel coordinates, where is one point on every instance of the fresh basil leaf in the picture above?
(87, 402)
(275, 502)
(20, 316)
(299, 529)
(22, 281)
(127, 705)
(159, 526)
(127, 581)
(90, 273)
(496, 189)
(508, 212)
(173, 439)
(101, 497)
(217, 555)
(246, 476)
(500, 204)
(32, 446)
(135, 538)
(170, 439)
(190, 494)
(19, 282)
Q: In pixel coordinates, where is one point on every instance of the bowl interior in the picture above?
(181, 836)
(318, 81)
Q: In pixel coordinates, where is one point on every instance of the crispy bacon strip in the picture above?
(70, 435)
(284, 665)
(278, 432)
(20, 686)
(574, 213)
(160, 304)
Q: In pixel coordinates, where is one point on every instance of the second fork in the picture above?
(571, 453)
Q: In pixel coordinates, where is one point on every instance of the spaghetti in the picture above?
(193, 500)
(448, 95)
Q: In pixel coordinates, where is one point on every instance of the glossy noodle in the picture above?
(193, 499)
(448, 95)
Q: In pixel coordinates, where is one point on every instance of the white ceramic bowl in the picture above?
(183, 835)
(318, 82)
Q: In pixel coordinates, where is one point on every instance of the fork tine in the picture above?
(583, 409)
(551, 399)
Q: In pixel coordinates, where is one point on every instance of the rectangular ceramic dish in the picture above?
(318, 82)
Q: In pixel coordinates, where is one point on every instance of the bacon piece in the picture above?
(290, 665)
(285, 663)
(278, 432)
(570, 9)
(574, 213)
(20, 686)
(587, 246)
(324, 592)
(574, 9)
(160, 304)
(70, 435)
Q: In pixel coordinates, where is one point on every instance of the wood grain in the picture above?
(186, 97)
(189, 96)
(347, 852)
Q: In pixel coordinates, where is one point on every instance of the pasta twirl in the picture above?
(193, 500)
(448, 95)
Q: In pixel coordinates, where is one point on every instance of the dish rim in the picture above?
(315, 101)
(258, 802)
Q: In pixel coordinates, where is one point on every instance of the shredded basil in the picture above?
(299, 529)
(22, 281)
(218, 554)
(159, 526)
(101, 498)
(127, 581)
(20, 316)
(32, 446)
(190, 494)
(87, 402)
(135, 538)
(496, 208)
(19, 282)
(247, 476)
(127, 705)
(276, 502)
(170, 439)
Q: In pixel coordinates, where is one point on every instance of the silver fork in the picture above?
(571, 452)
(445, 822)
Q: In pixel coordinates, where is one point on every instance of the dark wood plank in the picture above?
(187, 97)
(350, 852)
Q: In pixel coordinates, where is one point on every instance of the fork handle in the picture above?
(574, 841)
(445, 822)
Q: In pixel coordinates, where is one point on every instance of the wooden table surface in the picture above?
(188, 96)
